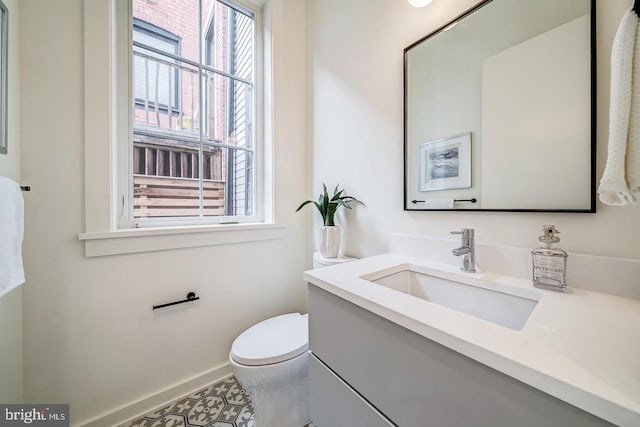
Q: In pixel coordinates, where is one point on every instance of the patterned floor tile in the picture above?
(224, 404)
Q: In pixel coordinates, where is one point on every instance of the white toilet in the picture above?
(270, 360)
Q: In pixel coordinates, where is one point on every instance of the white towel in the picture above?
(633, 142)
(620, 182)
(11, 233)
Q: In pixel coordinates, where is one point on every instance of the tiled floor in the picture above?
(224, 404)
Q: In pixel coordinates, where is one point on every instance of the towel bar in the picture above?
(191, 296)
(455, 200)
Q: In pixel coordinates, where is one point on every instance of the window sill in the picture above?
(139, 240)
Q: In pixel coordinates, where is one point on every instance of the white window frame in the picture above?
(124, 143)
(105, 114)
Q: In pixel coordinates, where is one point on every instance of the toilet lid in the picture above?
(273, 340)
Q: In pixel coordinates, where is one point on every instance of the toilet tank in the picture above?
(319, 261)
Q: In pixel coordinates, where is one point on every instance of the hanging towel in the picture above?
(632, 162)
(620, 183)
(11, 232)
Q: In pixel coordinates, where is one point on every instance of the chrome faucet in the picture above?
(467, 250)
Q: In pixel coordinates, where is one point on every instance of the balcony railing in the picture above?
(166, 96)
(170, 158)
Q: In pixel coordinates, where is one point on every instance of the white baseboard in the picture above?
(148, 403)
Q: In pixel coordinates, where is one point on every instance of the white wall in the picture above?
(11, 304)
(357, 137)
(91, 338)
(546, 78)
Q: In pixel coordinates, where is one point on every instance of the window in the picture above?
(151, 67)
(112, 123)
(193, 107)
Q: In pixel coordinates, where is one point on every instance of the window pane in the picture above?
(179, 167)
(167, 183)
(228, 105)
(147, 37)
(174, 89)
(241, 184)
(228, 40)
(233, 169)
(155, 80)
(179, 18)
(151, 67)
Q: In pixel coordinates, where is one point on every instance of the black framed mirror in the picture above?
(500, 110)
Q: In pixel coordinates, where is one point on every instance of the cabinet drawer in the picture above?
(332, 403)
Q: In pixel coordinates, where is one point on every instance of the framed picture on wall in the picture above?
(4, 69)
(445, 163)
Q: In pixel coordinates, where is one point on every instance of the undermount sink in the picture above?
(501, 308)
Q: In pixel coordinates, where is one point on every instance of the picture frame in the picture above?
(445, 163)
(4, 82)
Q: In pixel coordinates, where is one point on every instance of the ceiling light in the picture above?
(419, 3)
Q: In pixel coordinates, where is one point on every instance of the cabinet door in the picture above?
(417, 382)
(332, 403)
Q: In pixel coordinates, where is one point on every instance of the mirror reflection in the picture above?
(498, 110)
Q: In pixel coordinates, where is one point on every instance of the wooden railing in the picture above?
(157, 196)
(158, 156)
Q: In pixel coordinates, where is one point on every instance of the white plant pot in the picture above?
(330, 241)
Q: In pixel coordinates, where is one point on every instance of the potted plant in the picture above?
(327, 206)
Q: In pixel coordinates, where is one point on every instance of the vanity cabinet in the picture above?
(368, 371)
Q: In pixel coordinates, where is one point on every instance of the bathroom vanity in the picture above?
(402, 341)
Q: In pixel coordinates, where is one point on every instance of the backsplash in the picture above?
(614, 276)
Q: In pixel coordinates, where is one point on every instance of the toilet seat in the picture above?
(272, 341)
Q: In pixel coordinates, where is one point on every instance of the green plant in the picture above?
(328, 206)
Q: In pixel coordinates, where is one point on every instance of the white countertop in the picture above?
(582, 347)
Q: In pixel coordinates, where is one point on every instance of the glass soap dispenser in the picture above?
(549, 263)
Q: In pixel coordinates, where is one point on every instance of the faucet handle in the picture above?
(466, 232)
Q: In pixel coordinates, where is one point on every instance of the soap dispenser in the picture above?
(549, 263)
